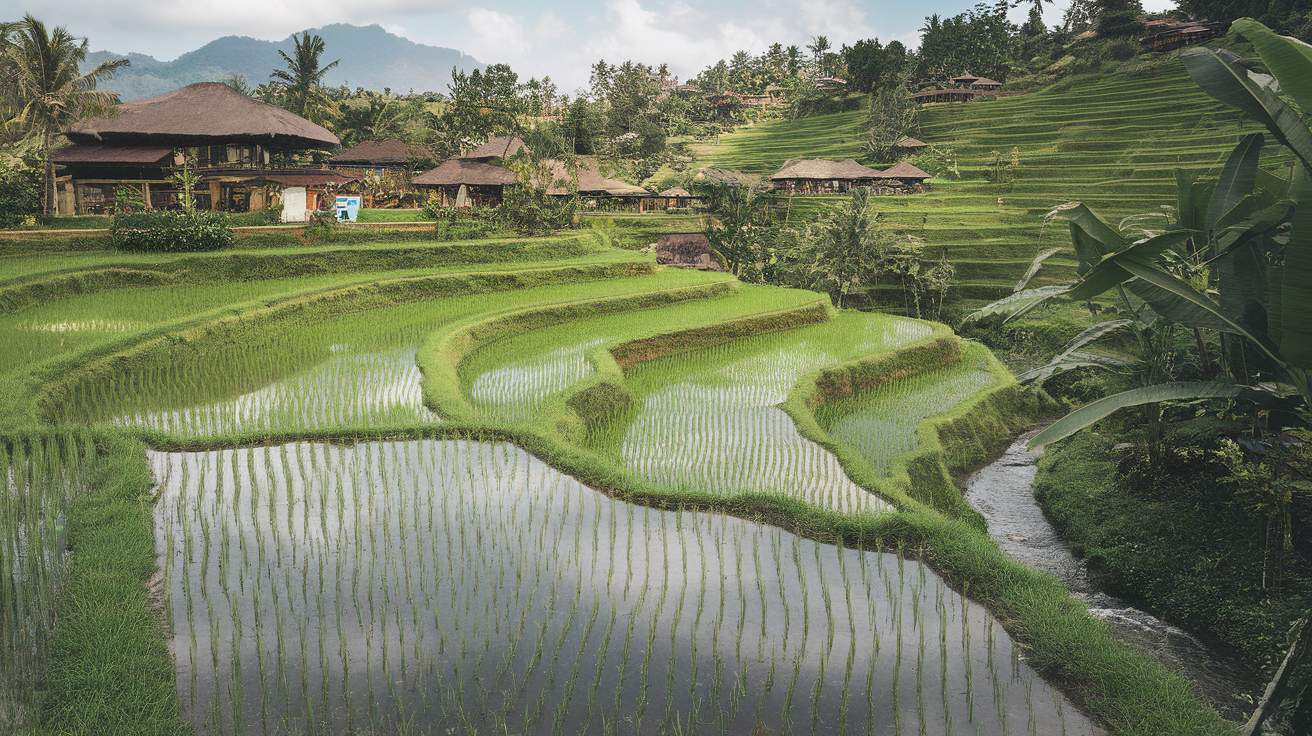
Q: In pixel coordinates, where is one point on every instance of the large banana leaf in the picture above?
(1070, 356)
(1091, 237)
(1110, 271)
(1262, 223)
(1035, 265)
(1296, 280)
(1229, 82)
(1237, 178)
(1102, 408)
(1178, 301)
(1019, 303)
(1289, 59)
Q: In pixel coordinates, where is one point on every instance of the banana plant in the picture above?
(1243, 237)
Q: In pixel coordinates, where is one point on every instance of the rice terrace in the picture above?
(839, 387)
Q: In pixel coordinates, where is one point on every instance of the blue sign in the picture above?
(348, 208)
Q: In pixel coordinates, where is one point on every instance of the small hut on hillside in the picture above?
(986, 85)
(221, 134)
(945, 95)
(819, 176)
(910, 176)
(908, 145)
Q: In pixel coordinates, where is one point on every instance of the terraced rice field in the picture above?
(1112, 142)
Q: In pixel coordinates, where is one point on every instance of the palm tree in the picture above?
(302, 80)
(44, 92)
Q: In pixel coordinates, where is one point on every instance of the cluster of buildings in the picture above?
(236, 148)
(961, 89)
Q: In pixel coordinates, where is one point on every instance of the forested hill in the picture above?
(370, 57)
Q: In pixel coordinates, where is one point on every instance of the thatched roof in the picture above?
(982, 82)
(202, 114)
(964, 79)
(390, 151)
(592, 182)
(301, 178)
(907, 141)
(676, 192)
(904, 170)
(818, 168)
(457, 171)
(103, 154)
(503, 147)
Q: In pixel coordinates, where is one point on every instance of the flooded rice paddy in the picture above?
(452, 586)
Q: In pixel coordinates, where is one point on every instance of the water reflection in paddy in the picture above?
(439, 585)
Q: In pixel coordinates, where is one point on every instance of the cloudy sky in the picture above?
(536, 37)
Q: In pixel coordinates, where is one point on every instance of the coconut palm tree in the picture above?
(44, 91)
(302, 80)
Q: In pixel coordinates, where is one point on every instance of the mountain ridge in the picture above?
(370, 57)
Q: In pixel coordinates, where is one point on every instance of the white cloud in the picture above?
(496, 38)
(551, 25)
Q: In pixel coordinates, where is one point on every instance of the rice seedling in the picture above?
(334, 607)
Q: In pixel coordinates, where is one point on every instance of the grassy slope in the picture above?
(1112, 143)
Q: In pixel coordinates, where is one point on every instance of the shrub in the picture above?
(170, 232)
(20, 197)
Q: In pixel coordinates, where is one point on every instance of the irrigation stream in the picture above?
(451, 586)
(1003, 492)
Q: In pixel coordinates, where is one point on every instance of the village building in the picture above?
(910, 176)
(818, 176)
(907, 145)
(225, 137)
(476, 178)
(377, 157)
(957, 94)
(677, 198)
(1167, 35)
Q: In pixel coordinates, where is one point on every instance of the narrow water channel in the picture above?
(1004, 493)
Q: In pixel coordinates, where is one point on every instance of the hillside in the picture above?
(1111, 142)
(370, 57)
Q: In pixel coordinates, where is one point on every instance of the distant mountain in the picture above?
(370, 57)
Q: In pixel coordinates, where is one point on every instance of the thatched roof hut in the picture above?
(387, 152)
(591, 182)
(456, 171)
(945, 95)
(907, 143)
(202, 114)
(905, 172)
(503, 147)
(823, 170)
(97, 154)
(675, 192)
(985, 84)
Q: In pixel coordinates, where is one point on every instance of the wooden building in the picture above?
(475, 178)
(911, 177)
(377, 157)
(677, 197)
(945, 95)
(819, 176)
(225, 137)
(908, 145)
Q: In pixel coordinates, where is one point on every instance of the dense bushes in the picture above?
(20, 198)
(170, 232)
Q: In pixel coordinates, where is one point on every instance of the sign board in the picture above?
(348, 208)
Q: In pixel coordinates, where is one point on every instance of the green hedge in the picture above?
(170, 232)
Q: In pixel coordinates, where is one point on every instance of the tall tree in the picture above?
(301, 83)
(819, 47)
(43, 89)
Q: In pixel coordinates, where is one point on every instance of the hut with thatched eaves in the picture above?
(946, 95)
(819, 176)
(219, 133)
(596, 189)
(475, 178)
(459, 182)
(908, 145)
(910, 177)
(676, 198)
(389, 154)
